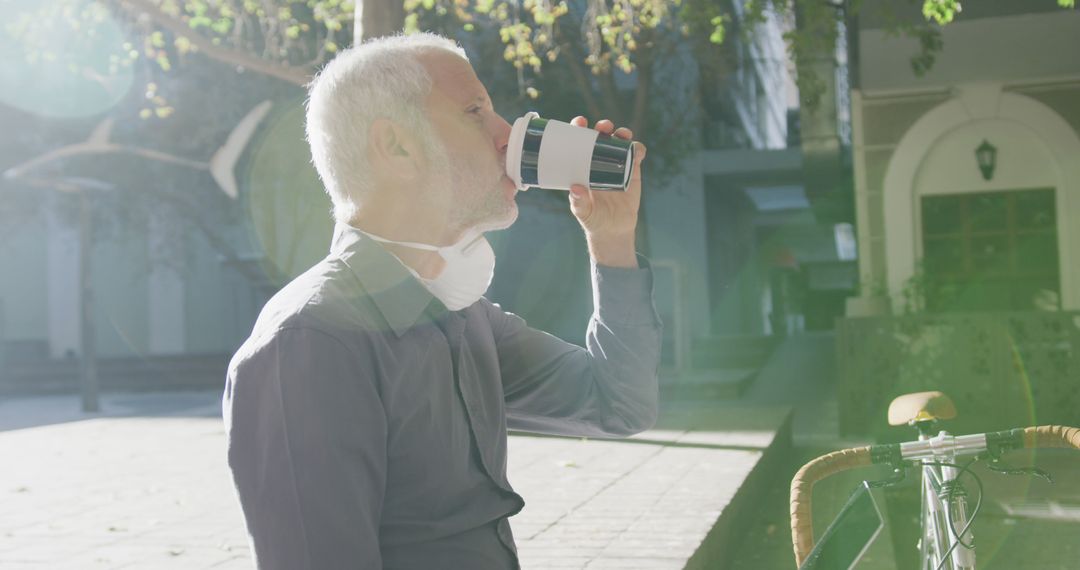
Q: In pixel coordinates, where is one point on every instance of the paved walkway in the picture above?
(144, 485)
(801, 373)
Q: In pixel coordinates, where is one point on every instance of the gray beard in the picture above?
(469, 210)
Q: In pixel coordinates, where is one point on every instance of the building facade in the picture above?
(967, 201)
(937, 230)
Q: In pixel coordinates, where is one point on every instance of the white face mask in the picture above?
(470, 264)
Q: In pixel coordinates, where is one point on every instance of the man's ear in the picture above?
(393, 149)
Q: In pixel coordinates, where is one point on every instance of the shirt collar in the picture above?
(398, 295)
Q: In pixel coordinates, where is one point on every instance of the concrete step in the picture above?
(154, 373)
(735, 351)
(705, 385)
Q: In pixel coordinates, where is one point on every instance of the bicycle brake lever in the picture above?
(898, 476)
(995, 466)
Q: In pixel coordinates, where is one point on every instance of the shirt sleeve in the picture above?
(306, 437)
(609, 388)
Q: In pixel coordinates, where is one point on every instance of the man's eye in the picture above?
(475, 110)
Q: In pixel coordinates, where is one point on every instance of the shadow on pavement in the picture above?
(35, 411)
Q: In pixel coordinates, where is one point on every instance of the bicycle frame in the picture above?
(944, 510)
(939, 517)
(944, 518)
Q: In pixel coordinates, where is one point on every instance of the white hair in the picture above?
(381, 78)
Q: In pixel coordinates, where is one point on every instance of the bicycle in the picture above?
(946, 535)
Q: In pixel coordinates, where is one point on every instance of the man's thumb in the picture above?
(579, 199)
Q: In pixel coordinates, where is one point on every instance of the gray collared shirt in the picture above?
(367, 424)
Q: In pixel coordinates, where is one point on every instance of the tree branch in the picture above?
(295, 75)
(611, 96)
(641, 99)
(646, 60)
(90, 148)
(575, 62)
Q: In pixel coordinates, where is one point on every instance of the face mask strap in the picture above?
(413, 245)
(448, 287)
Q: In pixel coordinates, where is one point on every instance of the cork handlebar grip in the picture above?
(1052, 436)
(802, 486)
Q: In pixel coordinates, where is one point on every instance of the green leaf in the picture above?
(717, 35)
(941, 11)
(222, 25)
(183, 45)
(197, 8)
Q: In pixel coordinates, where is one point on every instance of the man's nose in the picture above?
(502, 134)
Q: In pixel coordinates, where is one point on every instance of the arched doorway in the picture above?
(934, 175)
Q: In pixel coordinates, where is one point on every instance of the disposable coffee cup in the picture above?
(545, 153)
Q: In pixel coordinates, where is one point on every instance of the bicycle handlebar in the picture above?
(802, 485)
(1052, 436)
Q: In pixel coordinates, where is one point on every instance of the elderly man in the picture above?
(367, 412)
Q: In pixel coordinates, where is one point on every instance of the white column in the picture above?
(62, 283)
(165, 295)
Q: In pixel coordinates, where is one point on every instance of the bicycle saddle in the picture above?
(920, 407)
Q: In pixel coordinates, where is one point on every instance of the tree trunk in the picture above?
(637, 124)
(377, 18)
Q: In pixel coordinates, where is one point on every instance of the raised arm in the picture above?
(307, 448)
(608, 388)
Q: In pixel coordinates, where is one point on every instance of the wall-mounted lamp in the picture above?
(986, 155)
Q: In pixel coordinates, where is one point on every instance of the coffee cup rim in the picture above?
(514, 147)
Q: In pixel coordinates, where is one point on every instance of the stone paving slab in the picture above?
(124, 491)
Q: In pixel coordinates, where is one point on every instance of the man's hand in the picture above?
(609, 217)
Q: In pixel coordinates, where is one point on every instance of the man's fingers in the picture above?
(604, 126)
(580, 202)
(634, 188)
